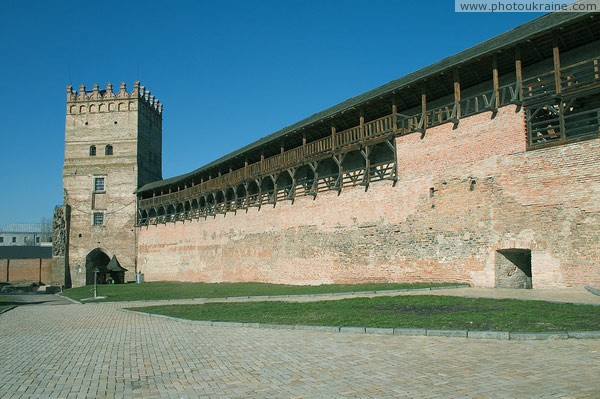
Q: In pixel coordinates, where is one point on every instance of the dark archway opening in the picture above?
(513, 268)
(96, 259)
(109, 271)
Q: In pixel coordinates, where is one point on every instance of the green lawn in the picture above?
(429, 312)
(177, 290)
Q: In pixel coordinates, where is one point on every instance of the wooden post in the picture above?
(262, 160)
(282, 146)
(394, 117)
(40, 275)
(556, 58)
(496, 81)
(7, 270)
(561, 121)
(457, 93)
(303, 144)
(333, 137)
(519, 72)
(423, 121)
(362, 125)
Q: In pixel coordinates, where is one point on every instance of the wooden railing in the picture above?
(580, 74)
(373, 129)
(573, 76)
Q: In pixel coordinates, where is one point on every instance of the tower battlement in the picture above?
(96, 100)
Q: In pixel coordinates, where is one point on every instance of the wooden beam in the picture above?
(496, 81)
(262, 160)
(519, 72)
(366, 153)
(423, 122)
(7, 270)
(394, 117)
(340, 180)
(333, 138)
(457, 93)
(556, 59)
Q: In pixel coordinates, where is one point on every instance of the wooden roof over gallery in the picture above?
(534, 41)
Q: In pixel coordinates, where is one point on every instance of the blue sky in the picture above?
(227, 72)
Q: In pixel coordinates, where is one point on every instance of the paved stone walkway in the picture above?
(100, 351)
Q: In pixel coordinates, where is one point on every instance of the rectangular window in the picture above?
(37, 240)
(98, 183)
(14, 239)
(98, 218)
(1, 239)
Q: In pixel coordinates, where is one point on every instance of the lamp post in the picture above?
(95, 280)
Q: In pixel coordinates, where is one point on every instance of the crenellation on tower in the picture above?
(84, 98)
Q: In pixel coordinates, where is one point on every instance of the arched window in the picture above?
(92, 150)
(108, 150)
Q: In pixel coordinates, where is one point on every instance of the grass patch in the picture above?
(429, 312)
(176, 290)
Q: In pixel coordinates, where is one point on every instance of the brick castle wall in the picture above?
(488, 194)
(26, 270)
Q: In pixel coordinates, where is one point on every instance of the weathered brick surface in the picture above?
(488, 194)
(26, 270)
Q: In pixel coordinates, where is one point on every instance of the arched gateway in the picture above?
(108, 270)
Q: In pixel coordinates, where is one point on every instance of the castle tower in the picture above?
(113, 145)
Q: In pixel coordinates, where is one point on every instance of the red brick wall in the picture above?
(25, 270)
(545, 200)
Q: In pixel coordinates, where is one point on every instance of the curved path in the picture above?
(99, 351)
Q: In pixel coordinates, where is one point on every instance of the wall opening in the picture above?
(513, 268)
(96, 259)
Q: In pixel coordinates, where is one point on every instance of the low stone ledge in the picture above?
(204, 323)
(354, 330)
(584, 334)
(447, 333)
(379, 331)
(251, 325)
(449, 287)
(537, 336)
(317, 328)
(503, 335)
(227, 324)
(410, 331)
(276, 326)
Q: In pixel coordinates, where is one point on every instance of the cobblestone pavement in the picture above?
(98, 351)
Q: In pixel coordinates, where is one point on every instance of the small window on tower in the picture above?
(92, 150)
(98, 218)
(98, 184)
(108, 150)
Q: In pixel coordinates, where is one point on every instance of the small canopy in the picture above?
(115, 266)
